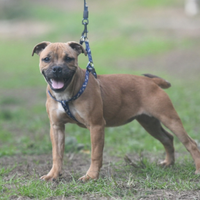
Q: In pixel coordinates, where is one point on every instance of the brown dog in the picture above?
(109, 100)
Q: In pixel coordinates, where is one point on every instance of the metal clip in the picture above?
(85, 21)
(91, 64)
(90, 68)
(85, 31)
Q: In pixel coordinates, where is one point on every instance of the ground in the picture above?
(75, 165)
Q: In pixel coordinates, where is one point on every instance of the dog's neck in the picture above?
(73, 88)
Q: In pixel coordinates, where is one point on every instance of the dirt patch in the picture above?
(172, 22)
(164, 194)
(179, 63)
(22, 29)
(28, 96)
(37, 165)
(62, 4)
(75, 165)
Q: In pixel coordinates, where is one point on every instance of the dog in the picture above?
(107, 101)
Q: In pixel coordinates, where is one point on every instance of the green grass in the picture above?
(124, 182)
(156, 3)
(24, 125)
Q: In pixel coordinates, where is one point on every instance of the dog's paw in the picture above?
(165, 163)
(48, 178)
(197, 172)
(86, 178)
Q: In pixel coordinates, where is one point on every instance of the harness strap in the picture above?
(65, 104)
(90, 65)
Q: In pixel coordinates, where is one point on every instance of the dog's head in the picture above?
(58, 62)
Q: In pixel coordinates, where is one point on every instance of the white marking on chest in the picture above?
(62, 96)
(60, 109)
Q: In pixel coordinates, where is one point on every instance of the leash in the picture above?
(84, 39)
(89, 69)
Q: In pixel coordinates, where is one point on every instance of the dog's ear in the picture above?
(77, 47)
(40, 47)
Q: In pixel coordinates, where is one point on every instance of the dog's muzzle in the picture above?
(58, 82)
(58, 78)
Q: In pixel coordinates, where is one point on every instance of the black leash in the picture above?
(89, 68)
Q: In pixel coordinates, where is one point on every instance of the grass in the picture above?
(124, 182)
(24, 125)
(155, 3)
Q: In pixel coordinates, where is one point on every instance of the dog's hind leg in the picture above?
(154, 128)
(172, 121)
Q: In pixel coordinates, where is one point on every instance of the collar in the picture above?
(65, 104)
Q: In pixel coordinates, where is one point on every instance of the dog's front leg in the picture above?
(97, 144)
(57, 134)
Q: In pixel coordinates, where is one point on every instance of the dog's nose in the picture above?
(57, 69)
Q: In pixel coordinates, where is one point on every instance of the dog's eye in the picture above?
(68, 59)
(47, 59)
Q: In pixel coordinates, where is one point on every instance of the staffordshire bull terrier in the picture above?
(107, 101)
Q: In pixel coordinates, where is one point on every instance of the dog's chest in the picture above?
(62, 96)
(60, 109)
(73, 110)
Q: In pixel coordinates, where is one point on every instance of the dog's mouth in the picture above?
(57, 84)
(58, 81)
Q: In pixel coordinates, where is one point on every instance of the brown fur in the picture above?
(110, 100)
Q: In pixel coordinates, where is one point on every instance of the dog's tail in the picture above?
(159, 81)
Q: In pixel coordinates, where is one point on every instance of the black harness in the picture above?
(89, 69)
